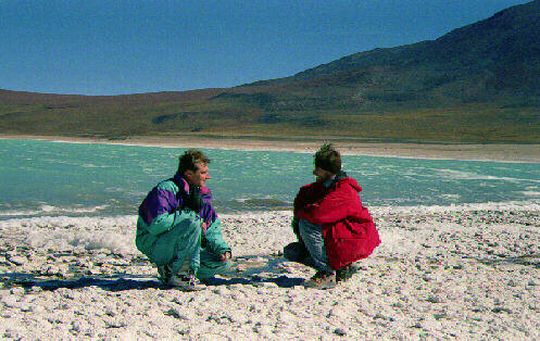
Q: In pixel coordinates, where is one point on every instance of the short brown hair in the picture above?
(328, 158)
(190, 159)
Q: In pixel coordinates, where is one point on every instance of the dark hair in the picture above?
(328, 158)
(189, 160)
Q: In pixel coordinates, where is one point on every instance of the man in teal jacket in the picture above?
(178, 228)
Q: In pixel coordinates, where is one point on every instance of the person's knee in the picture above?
(187, 231)
(295, 251)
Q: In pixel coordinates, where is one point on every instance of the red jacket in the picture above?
(348, 229)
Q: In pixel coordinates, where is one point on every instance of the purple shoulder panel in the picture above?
(157, 202)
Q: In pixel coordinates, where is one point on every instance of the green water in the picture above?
(51, 178)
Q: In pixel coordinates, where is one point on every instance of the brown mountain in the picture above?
(478, 83)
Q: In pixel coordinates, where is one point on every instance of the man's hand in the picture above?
(194, 200)
(226, 256)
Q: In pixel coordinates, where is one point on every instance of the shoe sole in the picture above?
(321, 287)
(326, 287)
(191, 289)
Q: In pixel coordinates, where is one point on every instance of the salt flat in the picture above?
(466, 272)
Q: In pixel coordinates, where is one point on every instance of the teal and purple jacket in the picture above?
(163, 209)
(166, 199)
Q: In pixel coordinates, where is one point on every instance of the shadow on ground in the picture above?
(263, 271)
(532, 260)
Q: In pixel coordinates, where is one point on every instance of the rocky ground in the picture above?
(468, 272)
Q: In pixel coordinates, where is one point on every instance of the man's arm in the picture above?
(159, 210)
(214, 239)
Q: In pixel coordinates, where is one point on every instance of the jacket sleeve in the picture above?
(215, 242)
(207, 213)
(335, 206)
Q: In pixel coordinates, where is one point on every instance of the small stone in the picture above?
(76, 326)
(498, 310)
(433, 299)
(10, 301)
(219, 291)
(265, 285)
(18, 260)
(172, 312)
(115, 324)
(36, 289)
(38, 309)
(93, 271)
(340, 332)
(17, 291)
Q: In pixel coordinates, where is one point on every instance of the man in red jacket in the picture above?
(333, 228)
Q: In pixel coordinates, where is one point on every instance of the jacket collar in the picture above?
(181, 182)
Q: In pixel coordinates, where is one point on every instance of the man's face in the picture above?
(198, 178)
(322, 175)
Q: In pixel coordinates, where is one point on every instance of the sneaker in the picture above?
(164, 272)
(186, 282)
(321, 280)
(346, 272)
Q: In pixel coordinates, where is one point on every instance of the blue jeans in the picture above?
(313, 239)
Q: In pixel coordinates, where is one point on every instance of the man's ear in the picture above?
(188, 174)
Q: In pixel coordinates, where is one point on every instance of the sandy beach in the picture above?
(465, 272)
(482, 152)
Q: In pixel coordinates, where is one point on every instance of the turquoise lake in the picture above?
(41, 178)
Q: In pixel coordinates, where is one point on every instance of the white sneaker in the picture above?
(186, 282)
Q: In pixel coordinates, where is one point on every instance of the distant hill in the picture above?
(494, 59)
(478, 83)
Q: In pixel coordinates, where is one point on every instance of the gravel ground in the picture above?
(466, 272)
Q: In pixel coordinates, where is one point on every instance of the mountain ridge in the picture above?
(477, 83)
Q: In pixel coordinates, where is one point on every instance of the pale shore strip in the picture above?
(466, 272)
(481, 152)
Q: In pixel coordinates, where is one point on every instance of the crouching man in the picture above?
(178, 229)
(333, 228)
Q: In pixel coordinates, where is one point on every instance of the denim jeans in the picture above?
(313, 239)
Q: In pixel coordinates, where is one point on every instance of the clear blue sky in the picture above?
(117, 47)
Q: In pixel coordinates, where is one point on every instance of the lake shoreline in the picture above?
(522, 153)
